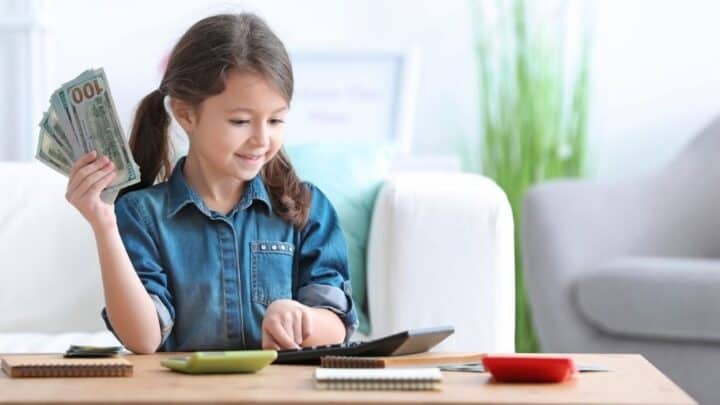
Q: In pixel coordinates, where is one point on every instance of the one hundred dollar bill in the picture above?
(83, 118)
(60, 115)
(51, 125)
(50, 153)
(95, 119)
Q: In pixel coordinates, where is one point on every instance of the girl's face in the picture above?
(237, 131)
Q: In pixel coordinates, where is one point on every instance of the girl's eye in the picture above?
(273, 121)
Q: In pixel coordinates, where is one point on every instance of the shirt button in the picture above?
(282, 247)
(274, 247)
(263, 247)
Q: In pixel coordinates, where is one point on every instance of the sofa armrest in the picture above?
(440, 252)
(49, 269)
(653, 297)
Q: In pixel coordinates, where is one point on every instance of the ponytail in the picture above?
(290, 197)
(149, 141)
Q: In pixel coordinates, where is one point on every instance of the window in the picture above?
(23, 80)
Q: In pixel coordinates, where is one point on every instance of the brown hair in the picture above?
(196, 69)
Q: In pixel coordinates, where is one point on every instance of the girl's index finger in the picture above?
(85, 159)
(282, 336)
(306, 325)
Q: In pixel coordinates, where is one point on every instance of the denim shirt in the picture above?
(212, 276)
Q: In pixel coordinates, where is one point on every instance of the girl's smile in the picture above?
(252, 159)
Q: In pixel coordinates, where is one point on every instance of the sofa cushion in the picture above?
(50, 277)
(665, 298)
(350, 174)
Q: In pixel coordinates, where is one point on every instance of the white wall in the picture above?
(656, 80)
(129, 42)
(654, 62)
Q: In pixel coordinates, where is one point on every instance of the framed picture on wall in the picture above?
(353, 96)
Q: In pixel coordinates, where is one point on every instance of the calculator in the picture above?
(407, 342)
(241, 361)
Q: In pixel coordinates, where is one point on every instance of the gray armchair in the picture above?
(633, 267)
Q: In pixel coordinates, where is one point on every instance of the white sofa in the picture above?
(437, 255)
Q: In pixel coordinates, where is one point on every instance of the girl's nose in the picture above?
(261, 134)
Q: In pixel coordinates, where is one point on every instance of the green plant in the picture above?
(533, 108)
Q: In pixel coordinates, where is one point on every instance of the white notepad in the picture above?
(378, 378)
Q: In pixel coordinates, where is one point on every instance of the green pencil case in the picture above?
(241, 361)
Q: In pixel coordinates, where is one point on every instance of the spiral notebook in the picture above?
(427, 359)
(54, 365)
(413, 379)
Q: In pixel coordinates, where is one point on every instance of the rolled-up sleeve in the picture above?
(136, 233)
(323, 276)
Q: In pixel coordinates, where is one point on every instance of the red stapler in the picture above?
(528, 368)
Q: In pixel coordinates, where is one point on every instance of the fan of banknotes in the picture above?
(82, 118)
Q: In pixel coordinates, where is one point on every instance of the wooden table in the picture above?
(633, 380)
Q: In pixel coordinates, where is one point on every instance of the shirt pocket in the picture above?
(271, 271)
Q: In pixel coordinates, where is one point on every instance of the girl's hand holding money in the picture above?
(89, 176)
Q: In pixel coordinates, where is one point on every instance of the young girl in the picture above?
(228, 249)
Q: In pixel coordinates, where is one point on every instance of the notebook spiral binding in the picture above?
(74, 370)
(350, 362)
(363, 385)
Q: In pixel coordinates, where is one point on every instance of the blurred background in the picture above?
(520, 91)
(653, 80)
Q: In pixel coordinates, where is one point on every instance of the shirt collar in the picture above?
(180, 193)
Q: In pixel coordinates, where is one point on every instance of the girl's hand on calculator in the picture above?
(286, 325)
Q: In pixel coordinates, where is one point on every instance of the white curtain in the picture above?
(23, 76)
